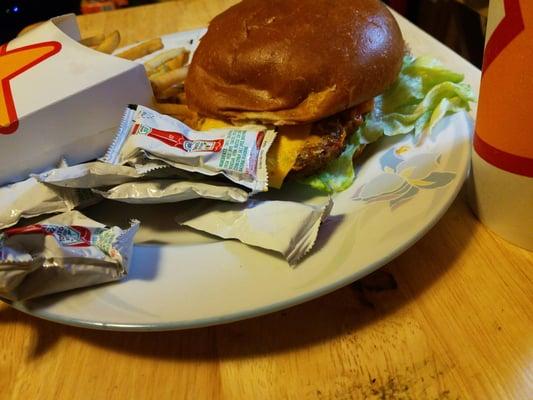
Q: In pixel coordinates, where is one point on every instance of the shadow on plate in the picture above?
(369, 301)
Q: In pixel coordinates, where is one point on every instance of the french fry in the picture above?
(176, 62)
(171, 93)
(110, 43)
(173, 109)
(163, 81)
(170, 65)
(93, 41)
(142, 49)
(181, 98)
(156, 62)
(181, 112)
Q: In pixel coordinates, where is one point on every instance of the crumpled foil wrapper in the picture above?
(65, 252)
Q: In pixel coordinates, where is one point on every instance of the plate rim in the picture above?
(270, 308)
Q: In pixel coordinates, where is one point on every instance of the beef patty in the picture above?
(328, 139)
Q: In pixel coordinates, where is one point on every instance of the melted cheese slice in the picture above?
(282, 154)
(209, 123)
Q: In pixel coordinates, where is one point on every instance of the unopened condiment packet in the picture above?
(237, 153)
(65, 252)
(286, 227)
(171, 191)
(30, 198)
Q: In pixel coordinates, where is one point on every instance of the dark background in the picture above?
(460, 24)
(16, 14)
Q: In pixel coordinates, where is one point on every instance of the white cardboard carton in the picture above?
(60, 99)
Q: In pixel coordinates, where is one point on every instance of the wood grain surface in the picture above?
(451, 318)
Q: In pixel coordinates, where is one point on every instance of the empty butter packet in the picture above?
(30, 198)
(286, 227)
(65, 252)
(89, 175)
(97, 174)
(172, 191)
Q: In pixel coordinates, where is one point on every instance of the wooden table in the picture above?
(450, 318)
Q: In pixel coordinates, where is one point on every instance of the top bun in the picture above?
(294, 61)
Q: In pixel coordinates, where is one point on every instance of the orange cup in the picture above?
(501, 184)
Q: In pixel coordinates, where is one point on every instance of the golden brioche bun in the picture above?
(294, 61)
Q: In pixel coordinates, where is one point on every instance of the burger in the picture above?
(309, 67)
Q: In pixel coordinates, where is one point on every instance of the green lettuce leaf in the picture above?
(423, 94)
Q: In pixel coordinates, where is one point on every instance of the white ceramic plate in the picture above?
(185, 279)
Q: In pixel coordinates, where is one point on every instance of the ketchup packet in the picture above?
(65, 252)
(286, 227)
(172, 191)
(237, 153)
(31, 198)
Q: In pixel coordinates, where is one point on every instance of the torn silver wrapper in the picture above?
(31, 198)
(287, 227)
(65, 252)
(172, 191)
(97, 174)
(89, 175)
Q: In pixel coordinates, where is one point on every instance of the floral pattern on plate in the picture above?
(402, 178)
